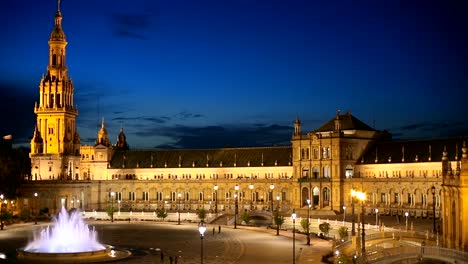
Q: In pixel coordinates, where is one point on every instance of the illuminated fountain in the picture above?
(68, 240)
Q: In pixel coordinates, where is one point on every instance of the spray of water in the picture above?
(69, 234)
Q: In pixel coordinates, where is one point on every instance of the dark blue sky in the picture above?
(212, 73)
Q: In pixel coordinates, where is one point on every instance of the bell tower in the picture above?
(55, 137)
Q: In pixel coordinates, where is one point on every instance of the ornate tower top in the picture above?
(297, 126)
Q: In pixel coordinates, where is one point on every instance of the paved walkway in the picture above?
(305, 254)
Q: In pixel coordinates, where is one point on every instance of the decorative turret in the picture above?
(297, 127)
(102, 138)
(337, 122)
(121, 141)
(37, 143)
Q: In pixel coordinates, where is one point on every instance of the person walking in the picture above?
(213, 231)
(219, 229)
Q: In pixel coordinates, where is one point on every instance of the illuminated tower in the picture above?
(56, 144)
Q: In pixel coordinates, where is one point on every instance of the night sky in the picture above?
(211, 73)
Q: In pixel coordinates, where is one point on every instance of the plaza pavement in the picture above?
(230, 247)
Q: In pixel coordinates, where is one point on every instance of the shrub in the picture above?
(279, 220)
(161, 213)
(201, 213)
(304, 224)
(246, 217)
(343, 232)
(325, 228)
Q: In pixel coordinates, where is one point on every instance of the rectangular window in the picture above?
(283, 196)
(409, 198)
(396, 200)
(382, 197)
(173, 196)
(145, 196)
(131, 196)
(200, 196)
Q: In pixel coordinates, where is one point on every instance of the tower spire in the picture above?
(58, 5)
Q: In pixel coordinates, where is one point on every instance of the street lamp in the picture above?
(251, 186)
(406, 215)
(201, 229)
(216, 198)
(361, 196)
(293, 215)
(112, 206)
(308, 221)
(433, 191)
(35, 217)
(118, 202)
(277, 214)
(178, 208)
(271, 200)
(353, 218)
(376, 216)
(236, 206)
(1, 211)
(344, 213)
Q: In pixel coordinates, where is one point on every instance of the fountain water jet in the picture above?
(68, 240)
(69, 234)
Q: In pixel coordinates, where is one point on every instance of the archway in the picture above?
(315, 196)
(305, 195)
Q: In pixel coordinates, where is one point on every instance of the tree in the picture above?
(161, 213)
(246, 217)
(343, 232)
(279, 220)
(15, 165)
(110, 212)
(325, 228)
(304, 224)
(201, 213)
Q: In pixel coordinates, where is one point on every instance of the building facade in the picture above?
(322, 166)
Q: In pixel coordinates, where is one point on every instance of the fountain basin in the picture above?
(108, 254)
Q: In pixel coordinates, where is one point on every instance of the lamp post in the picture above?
(361, 196)
(178, 208)
(406, 215)
(353, 218)
(34, 213)
(376, 216)
(1, 211)
(112, 206)
(216, 198)
(293, 215)
(277, 214)
(118, 202)
(201, 229)
(344, 213)
(236, 205)
(272, 186)
(433, 191)
(308, 221)
(251, 186)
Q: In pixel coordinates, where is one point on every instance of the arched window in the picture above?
(326, 172)
(305, 172)
(315, 172)
(349, 172)
(326, 194)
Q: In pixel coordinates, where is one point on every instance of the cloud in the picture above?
(16, 111)
(430, 129)
(131, 25)
(184, 115)
(188, 137)
(157, 120)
